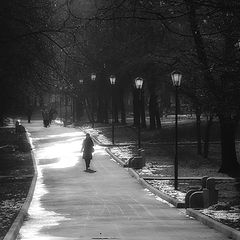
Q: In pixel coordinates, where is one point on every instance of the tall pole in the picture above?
(139, 84)
(60, 104)
(80, 100)
(139, 120)
(66, 110)
(176, 140)
(112, 114)
(176, 79)
(93, 78)
(93, 93)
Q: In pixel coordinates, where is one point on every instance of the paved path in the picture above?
(69, 203)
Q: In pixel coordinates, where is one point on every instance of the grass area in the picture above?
(159, 144)
(16, 170)
(159, 155)
(159, 151)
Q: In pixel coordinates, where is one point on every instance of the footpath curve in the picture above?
(70, 204)
(227, 231)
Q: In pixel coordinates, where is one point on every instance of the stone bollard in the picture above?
(23, 144)
(137, 162)
(188, 195)
(141, 153)
(195, 189)
(196, 200)
(204, 182)
(213, 193)
(202, 198)
(134, 162)
(199, 199)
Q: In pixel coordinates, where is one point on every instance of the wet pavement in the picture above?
(69, 203)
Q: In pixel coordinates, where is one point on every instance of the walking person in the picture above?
(87, 149)
(29, 112)
(52, 115)
(45, 116)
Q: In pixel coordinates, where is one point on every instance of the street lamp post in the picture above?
(113, 82)
(93, 78)
(138, 85)
(81, 100)
(66, 106)
(60, 103)
(176, 80)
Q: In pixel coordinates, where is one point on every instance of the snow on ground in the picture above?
(229, 217)
(167, 188)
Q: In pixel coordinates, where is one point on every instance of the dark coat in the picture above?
(87, 148)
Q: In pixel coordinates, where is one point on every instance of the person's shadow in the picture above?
(90, 171)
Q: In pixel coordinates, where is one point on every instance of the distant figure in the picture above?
(29, 113)
(52, 115)
(87, 149)
(45, 116)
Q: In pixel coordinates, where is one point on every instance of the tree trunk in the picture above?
(152, 111)
(79, 110)
(230, 164)
(116, 120)
(86, 104)
(136, 116)
(1, 112)
(114, 107)
(198, 130)
(105, 111)
(207, 136)
(74, 118)
(100, 110)
(1, 120)
(122, 109)
(142, 110)
(158, 119)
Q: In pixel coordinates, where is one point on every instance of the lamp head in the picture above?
(176, 78)
(81, 81)
(138, 82)
(112, 79)
(93, 76)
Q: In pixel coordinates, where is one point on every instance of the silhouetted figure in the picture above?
(52, 115)
(29, 113)
(87, 149)
(45, 116)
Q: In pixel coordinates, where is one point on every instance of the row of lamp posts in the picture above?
(93, 78)
(138, 85)
(176, 80)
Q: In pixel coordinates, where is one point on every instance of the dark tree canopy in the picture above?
(27, 57)
(47, 43)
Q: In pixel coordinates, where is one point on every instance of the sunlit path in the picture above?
(69, 203)
(52, 150)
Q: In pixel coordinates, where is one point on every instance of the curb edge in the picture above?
(227, 231)
(134, 174)
(16, 225)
